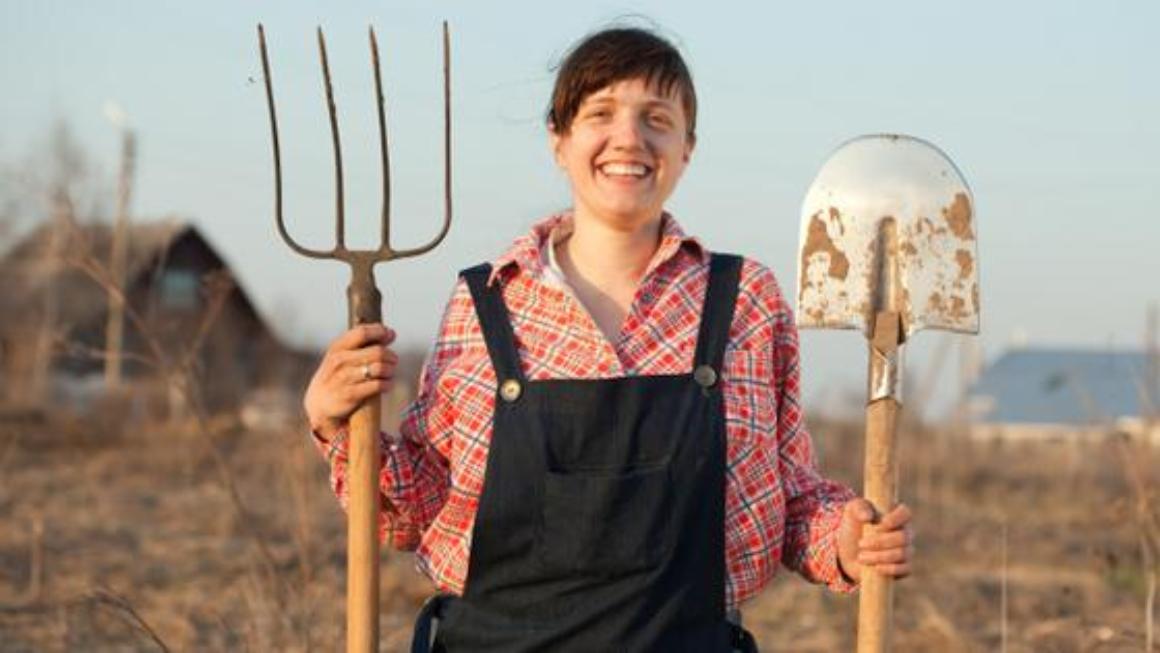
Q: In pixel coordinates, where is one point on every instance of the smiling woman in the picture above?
(624, 153)
(607, 450)
(622, 125)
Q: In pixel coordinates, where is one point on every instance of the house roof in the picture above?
(31, 266)
(1065, 386)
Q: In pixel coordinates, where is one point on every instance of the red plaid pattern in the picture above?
(778, 507)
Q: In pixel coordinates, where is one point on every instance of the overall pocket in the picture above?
(597, 523)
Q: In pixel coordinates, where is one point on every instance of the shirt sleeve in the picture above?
(414, 477)
(813, 502)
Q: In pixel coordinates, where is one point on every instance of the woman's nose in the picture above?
(627, 131)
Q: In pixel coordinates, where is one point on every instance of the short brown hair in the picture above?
(613, 55)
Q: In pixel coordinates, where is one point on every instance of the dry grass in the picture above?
(142, 549)
(1074, 575)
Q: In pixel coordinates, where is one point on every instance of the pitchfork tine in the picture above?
(340, 219)
(446, 160)
(278, 158)
(385, 243)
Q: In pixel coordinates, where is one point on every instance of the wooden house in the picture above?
(188, 317)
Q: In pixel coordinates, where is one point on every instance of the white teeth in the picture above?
(632, 169)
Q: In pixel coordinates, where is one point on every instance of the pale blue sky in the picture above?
(1048, 108)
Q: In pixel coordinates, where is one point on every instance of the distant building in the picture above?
(1065, 393)
(53, 319)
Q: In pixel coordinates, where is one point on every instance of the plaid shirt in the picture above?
(778, 507)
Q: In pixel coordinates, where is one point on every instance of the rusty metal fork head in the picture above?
(364, 297)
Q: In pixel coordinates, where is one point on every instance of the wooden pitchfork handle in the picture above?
(362, 478)
(880, 478)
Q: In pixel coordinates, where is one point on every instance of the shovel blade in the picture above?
(907, 188)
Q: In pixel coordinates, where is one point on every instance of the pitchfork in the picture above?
(364, 308)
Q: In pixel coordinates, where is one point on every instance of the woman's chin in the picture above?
(626, 214)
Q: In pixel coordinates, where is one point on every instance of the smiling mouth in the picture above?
(633, 170)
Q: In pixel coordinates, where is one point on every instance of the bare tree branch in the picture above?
(181, 373)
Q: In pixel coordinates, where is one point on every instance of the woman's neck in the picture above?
(607, 256)
(604, 266)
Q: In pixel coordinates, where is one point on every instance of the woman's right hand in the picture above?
(357, 365)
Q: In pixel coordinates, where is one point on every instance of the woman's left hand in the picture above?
(887, 546)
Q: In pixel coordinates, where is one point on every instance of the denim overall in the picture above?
(601, 523)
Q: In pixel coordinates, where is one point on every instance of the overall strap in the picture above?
(494, 322)
(717, 314)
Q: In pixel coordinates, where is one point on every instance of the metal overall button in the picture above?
(510, 390)
(705, 376)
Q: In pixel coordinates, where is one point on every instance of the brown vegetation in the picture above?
(143, 548)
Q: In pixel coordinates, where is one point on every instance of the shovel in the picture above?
(888, 246)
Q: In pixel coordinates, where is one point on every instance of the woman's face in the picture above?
(624, 152)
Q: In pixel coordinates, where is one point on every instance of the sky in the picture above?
(1049, 109)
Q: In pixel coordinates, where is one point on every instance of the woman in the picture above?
(607, 451)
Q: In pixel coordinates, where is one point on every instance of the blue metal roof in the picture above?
(1063, 386)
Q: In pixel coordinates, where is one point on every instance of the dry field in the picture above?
(177, 538)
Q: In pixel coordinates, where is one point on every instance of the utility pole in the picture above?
(115, 327)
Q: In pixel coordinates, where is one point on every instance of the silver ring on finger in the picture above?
(366, 372)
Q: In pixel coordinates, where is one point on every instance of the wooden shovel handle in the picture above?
(880, 478)
(362, 549)
(875, 607)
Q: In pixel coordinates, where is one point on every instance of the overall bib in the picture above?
(600, 527)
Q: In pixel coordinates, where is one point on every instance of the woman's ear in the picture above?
(555, 140)
(690, 144)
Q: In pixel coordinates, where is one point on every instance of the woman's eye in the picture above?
(660, 120)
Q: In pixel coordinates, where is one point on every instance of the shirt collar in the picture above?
(529, 252)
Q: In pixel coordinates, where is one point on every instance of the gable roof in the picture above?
(29, 267)
(1065, 386)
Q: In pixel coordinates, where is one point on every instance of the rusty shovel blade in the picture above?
(888, 225)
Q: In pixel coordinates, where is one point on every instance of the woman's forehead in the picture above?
(639, 88)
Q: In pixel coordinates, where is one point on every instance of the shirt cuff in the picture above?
(841, 583)
(825, 552)
(396, 482)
